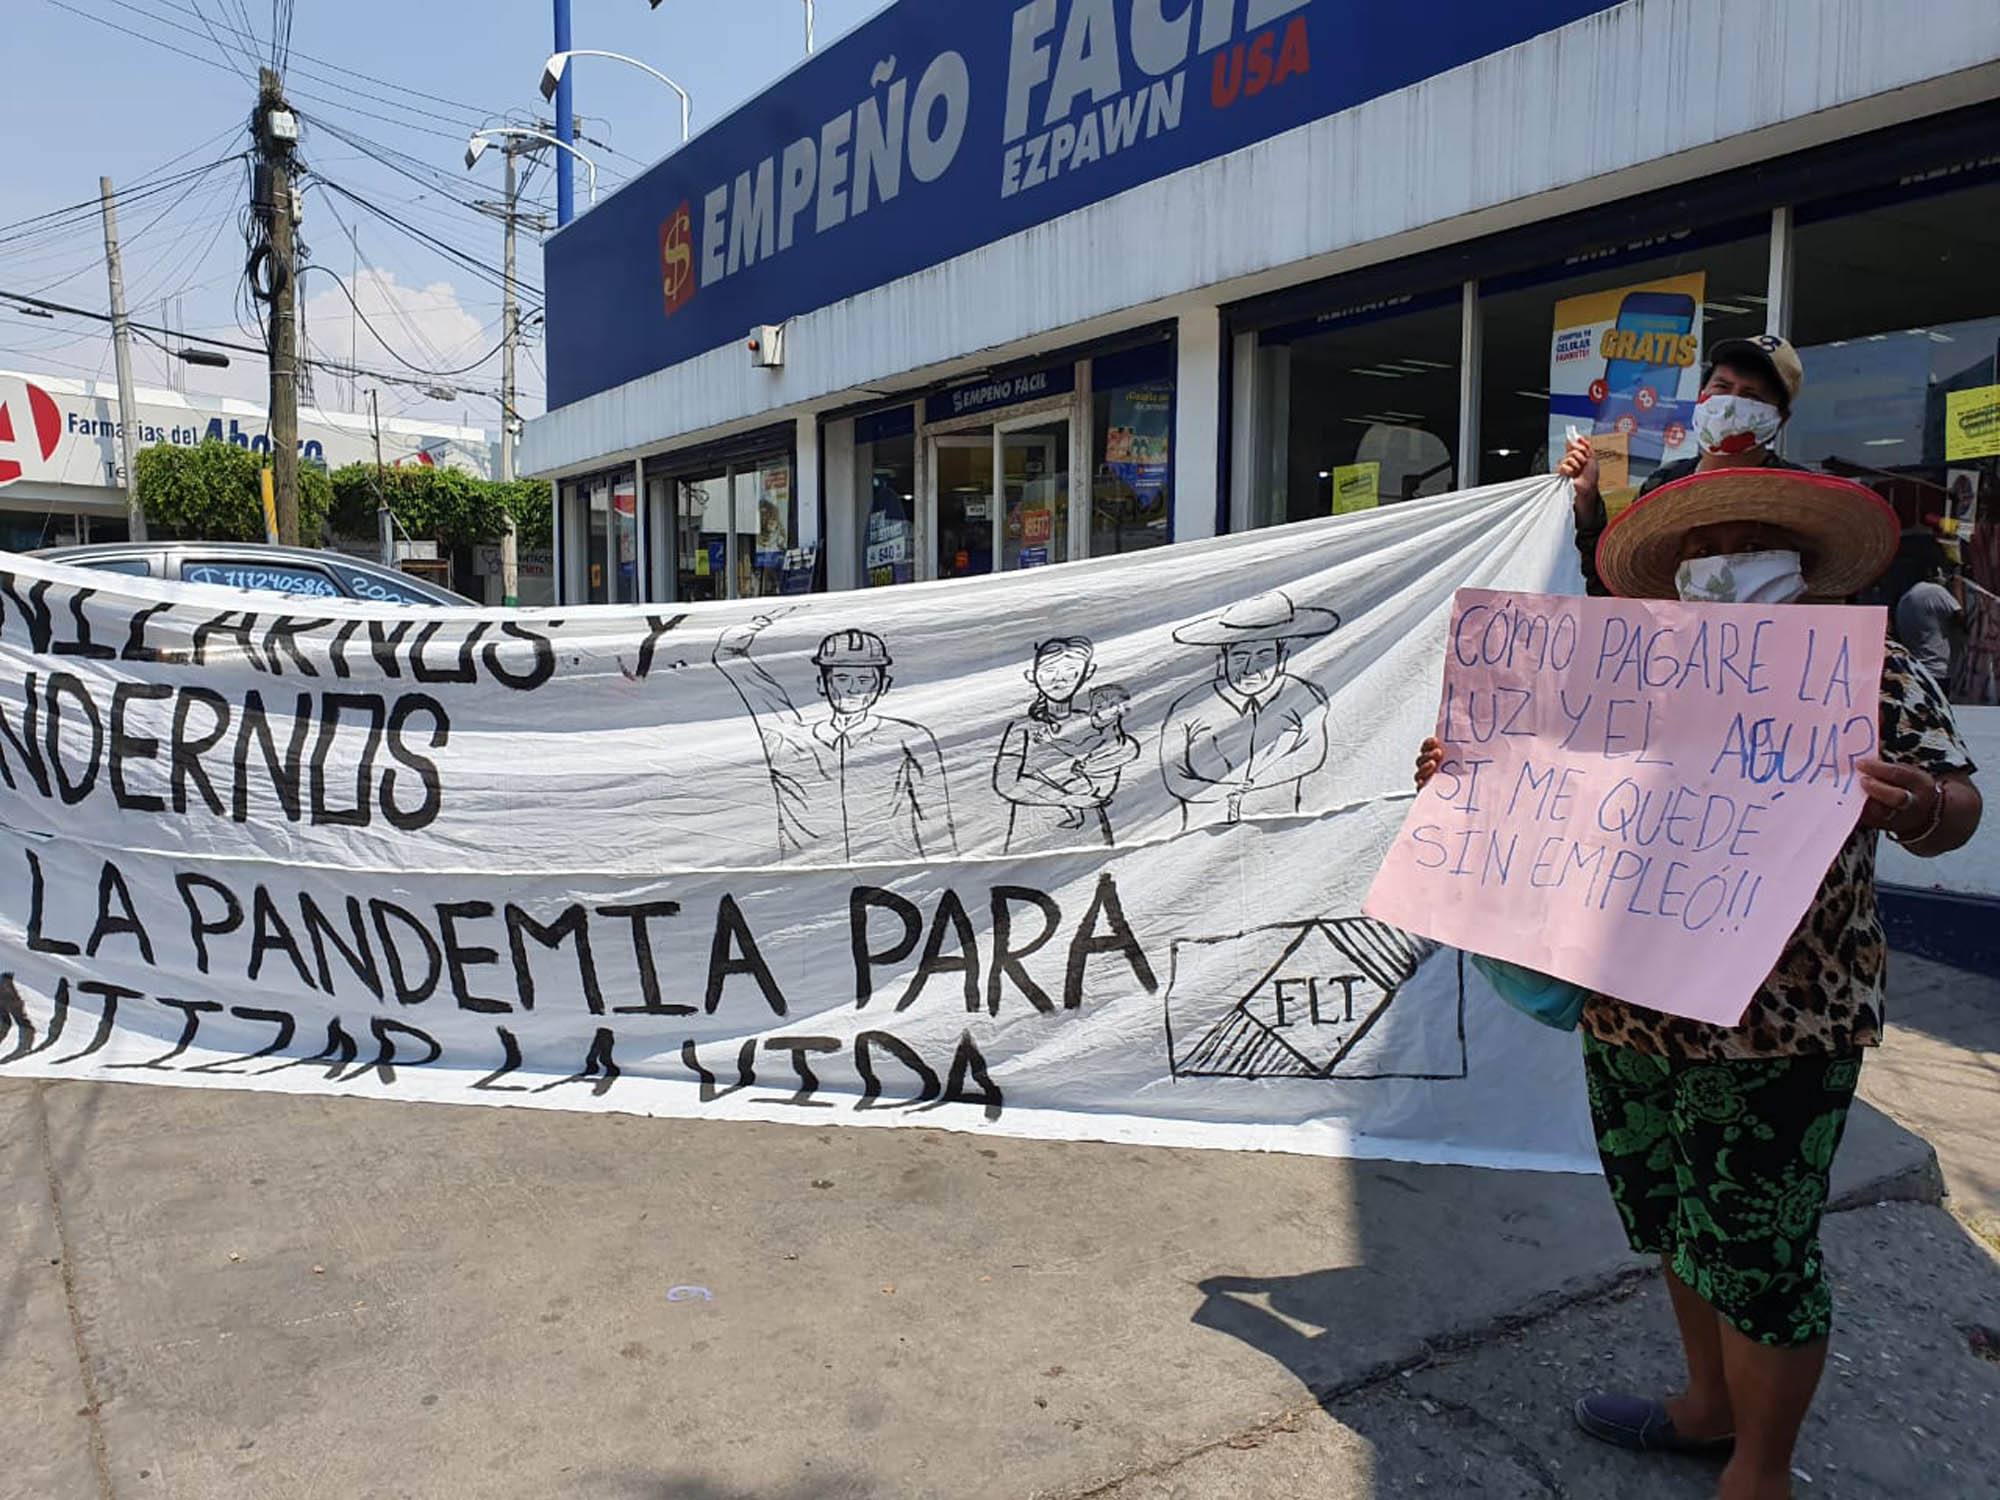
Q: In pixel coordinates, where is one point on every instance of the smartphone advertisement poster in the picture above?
(1625, 364)
(1136, 446)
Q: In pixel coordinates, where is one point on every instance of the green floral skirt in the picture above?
(1721, 1168)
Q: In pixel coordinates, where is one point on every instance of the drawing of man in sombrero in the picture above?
(1242, 744)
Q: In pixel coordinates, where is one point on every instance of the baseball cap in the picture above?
(1765, 352)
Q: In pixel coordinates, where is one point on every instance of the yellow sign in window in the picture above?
(1356, 487)
(1972, 423)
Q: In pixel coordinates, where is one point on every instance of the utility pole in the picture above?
(353, 316)
(121, 337)
(385, 525)
(509, 213)
(277, 134)
(510, 327)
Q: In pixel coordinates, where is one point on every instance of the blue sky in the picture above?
(425, 73)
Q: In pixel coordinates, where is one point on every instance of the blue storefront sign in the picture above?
(943, 125)
(1006, 389)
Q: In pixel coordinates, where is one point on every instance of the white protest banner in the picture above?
(1074, 853)
(1641, 796)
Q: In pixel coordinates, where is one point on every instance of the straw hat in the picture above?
(1847, 534)
(1267, 617)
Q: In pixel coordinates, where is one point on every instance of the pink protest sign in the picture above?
(1640, 796)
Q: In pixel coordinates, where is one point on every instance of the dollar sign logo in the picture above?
(677, 259)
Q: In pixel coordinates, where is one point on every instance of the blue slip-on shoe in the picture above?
(1643, 1426)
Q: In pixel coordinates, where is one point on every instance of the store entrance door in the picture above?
(1031, 476)
(961, 504)
(999, 491)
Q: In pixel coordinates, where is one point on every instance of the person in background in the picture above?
(1717, 1141)
(1930, 618)
(1746, 398)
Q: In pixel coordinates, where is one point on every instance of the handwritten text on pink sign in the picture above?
(1639, 796)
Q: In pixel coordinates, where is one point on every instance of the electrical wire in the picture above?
(186, 266)
(185, 194)
(416, 170)
(339, 367)
(472, 263)
(219, 45)
(367, 323)
(306, 62)
(150, 41)
(89, 210)
(374, 95)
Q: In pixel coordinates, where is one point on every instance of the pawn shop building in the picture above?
(982, 287)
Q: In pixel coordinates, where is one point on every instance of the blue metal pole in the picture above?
(565, 124)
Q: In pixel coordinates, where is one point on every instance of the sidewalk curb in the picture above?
(1920, 1181)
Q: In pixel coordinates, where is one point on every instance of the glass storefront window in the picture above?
(1131, 446)
(1897, 322)
(962, 465)
(885, 474)
(734, 531)
(1357, 409)
(610, 534)
(1034, 491)
(1636, 406)
(701, 551)
(765, 514)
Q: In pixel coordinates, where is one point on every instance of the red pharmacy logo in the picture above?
(30, 423)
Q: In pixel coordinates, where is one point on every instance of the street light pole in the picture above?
(481, 139)
(565, 125)
(555, 73)
(121, 337)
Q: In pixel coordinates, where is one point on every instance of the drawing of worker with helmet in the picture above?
(852, 785)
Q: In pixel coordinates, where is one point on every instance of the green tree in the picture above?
(448, 506)
(529, 502)
(211, 492)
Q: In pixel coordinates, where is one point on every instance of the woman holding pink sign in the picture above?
(1717, 1141)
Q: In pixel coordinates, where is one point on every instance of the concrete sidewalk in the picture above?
(228, 1295)
(1908, 1407)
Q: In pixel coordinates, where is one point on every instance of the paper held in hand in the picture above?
(1640, 796)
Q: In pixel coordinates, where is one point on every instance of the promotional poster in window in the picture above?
(1625, 369)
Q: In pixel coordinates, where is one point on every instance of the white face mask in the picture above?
(1735, 424)
(1745, 578)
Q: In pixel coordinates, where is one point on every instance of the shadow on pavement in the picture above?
(1445, 1254)
(27, 1104)
(1441, 1248)
(1954, 1005)
(837, 1485)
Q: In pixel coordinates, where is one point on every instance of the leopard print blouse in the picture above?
(1825, 995)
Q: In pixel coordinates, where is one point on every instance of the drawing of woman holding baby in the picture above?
(1060, 763)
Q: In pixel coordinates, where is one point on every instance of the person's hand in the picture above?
(1430, 755)
(738, 639)
(1901, 799)
(1579, 465)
